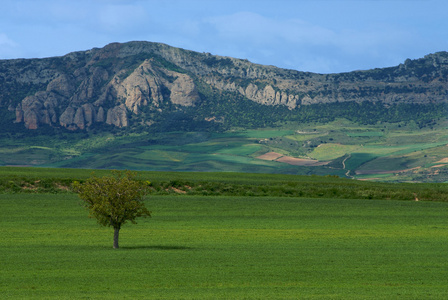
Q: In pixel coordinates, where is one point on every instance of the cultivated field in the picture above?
(202, 247)
(387, 152)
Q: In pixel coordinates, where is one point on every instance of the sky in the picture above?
(322, 36)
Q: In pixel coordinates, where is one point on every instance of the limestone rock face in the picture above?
(269, 96)
(101, 115)
(31, 119)
(63, 85)
(68, 117)
(140, 88)
(183, 90)
(66, 101)
(117, 116)
(89, 114)
(38, 109)
(152, 85)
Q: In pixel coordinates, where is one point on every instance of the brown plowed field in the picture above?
(300, 161)
(270, 156)
(274, 156)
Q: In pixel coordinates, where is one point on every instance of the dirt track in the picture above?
(374, 172)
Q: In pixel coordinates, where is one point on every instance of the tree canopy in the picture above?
(114, 200)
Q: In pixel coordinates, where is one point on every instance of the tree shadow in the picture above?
(157, 247)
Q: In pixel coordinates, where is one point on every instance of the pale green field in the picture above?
(332, 151)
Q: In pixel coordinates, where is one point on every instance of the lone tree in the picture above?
(114, 200)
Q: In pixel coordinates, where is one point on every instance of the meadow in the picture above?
(226, 247)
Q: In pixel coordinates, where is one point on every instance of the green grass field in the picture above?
(197, 247)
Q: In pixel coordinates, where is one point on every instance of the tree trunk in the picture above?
(116, 232)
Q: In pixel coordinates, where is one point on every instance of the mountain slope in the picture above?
(153, 85)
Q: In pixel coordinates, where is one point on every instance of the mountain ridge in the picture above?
(129, 84)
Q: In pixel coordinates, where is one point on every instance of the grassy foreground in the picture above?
(202, 247)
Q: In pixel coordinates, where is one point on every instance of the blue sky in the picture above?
(324, 36)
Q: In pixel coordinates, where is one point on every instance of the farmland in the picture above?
(202, 247)
(383, 152)
(242, 236)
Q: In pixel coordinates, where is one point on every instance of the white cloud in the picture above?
(8, 48)
(295, 43)
(122, 18)
(254, 27)
(5, 41)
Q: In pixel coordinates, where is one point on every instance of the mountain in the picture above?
(155, 86)
(149, 106)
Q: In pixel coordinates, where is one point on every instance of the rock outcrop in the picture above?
(117, 116)
(82, 102)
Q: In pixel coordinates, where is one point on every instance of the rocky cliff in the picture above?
(114, 83)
